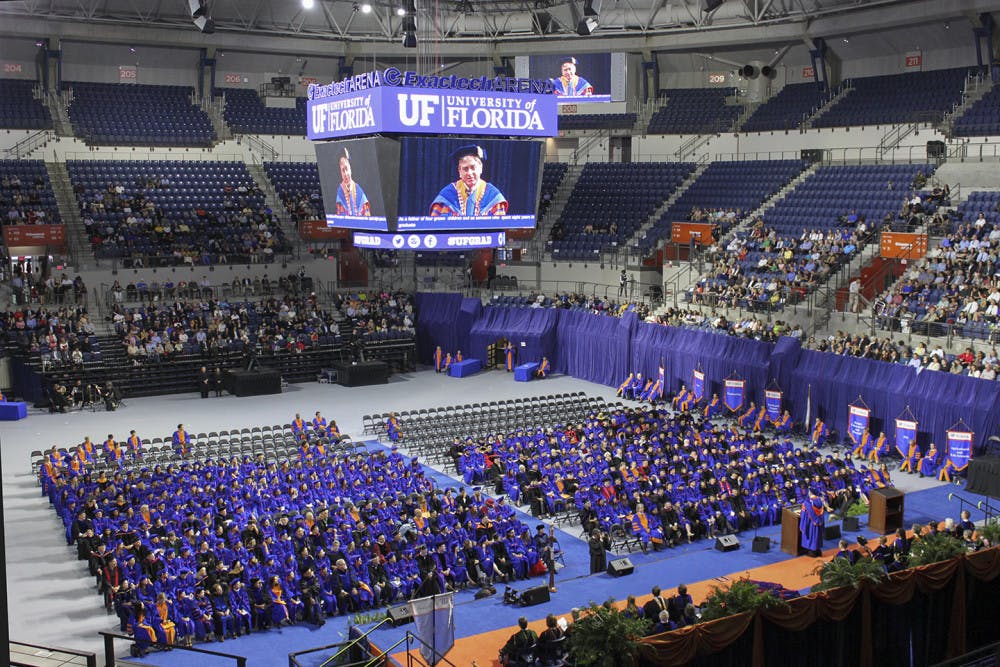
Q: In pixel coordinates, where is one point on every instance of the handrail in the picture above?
(408, 638)
(25, 146)
(354, 642)
(989, 512)
(89, 656)
(109, 649)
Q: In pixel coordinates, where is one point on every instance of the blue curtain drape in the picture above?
(937, 399)
(594, 347)
(443, 319)
(719, 357)
(531, 330)
(27, 381)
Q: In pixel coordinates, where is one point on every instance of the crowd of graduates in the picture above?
(665, 478)
(193, 550)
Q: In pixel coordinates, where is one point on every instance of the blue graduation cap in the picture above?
(472, 150)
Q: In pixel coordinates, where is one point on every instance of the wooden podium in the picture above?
(885, 510)
(791, 538)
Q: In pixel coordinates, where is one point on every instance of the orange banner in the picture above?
(683, 232)
(901, 245)
(316, 230)
(33, 235)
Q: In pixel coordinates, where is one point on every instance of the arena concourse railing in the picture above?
(26, 146)
(110, 660)
(36, 655)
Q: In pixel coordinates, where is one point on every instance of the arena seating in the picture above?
(807, 235)
(982, 118)
(246, 113)
(597, 121)
(112, 113)
(19, 110)
(178, 212)
(610, 202)
(724, 193)
(26, 195)
(788, 109)
(694, 111)
(297, 184)
(552, 176)
(897, 98)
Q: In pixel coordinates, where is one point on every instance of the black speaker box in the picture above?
(831, 532)
(761, 544)
(399, 614)
(620, 567)
(533, 596)
(935, 149)
(727, 543)
(851, 523)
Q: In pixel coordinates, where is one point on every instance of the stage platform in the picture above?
(11, 411)
(362, 373)
(465, 368)
(258, 382)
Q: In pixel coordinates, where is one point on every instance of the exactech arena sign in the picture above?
(405, 102)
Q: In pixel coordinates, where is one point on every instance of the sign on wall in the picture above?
(232, 78)
(913, 59)
(717, 77)
(901, 245)
(34, 235)
(127, 74)
(13, 68)
(808, 73)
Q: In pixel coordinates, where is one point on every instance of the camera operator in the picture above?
(309, 592)
(112, 397)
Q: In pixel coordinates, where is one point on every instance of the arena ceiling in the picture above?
(461, 27)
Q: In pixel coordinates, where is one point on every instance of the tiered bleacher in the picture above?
(313, 528)
(552, 176)
(980, 119)
(609, 203)
(809, 234)
(724, 194)
(118, 113)
(246, 113)
(694, 111)
(950, 292)
(173, 213)
(19, 110)
(787, 110)
(26, 196)
(383, 322)
(597, 121)
(297, 184)
(897, 98)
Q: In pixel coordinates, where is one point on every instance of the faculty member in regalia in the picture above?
(569, 84)
(351, 198)
(470, 195)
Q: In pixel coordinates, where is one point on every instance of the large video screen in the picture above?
(466, 184)
(586, 77)
(358, 180)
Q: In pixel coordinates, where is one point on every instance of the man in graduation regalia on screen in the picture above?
(569, 84)
(470, 195)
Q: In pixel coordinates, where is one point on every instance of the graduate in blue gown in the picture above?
(811, 525)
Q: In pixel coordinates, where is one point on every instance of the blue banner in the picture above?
(857, 422)
(772, 402)
(439, 242)
(959, 448)
(698, 386)
(906, 432)
(734, 394)
(434, 618)
(401, 110)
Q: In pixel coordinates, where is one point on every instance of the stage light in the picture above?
(586, 26)
(410, 40)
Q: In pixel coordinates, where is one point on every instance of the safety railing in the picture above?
(351, 644)
(110, 660)
(25, 146)
(411, 642)
(989, 512)
(36, 655)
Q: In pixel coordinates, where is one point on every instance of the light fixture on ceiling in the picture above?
(366, 8)
(591, 18)
(400, 11)
(409, 26)
(847, 41)
(201, 16)
(308, 4)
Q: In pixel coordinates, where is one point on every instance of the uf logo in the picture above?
(416, 108)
